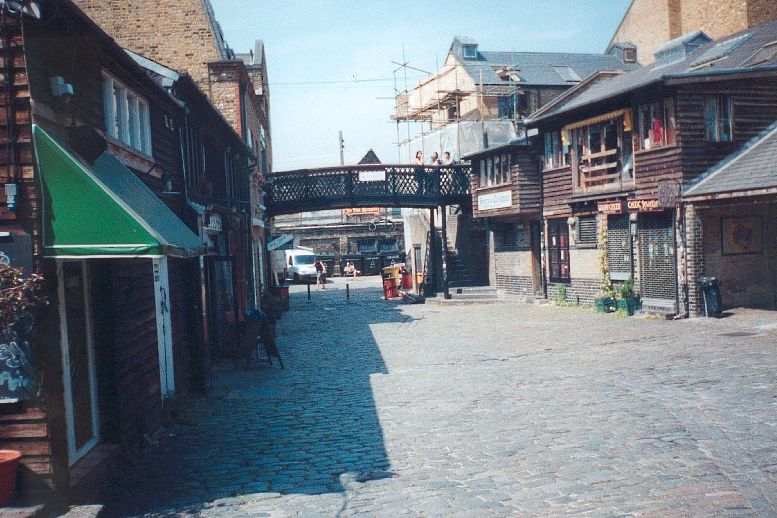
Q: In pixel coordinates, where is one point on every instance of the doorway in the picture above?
(78, 359)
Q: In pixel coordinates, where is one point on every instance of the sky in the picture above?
(331, 64)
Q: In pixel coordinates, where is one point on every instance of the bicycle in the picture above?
(386, 223)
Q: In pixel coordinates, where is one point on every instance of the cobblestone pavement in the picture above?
(506, 409)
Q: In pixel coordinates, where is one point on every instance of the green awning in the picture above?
(103, 210)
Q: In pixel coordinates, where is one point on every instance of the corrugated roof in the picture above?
(736, 60)
(537, 68)
(751, 168)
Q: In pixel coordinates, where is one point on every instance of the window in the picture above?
(601, 159)
(587, 234)
(127, 115)
(366, 246)
(718, 120)
(556, 154)
(558, 250)
(657, 124)
(495, 170)
(470, 51)
(506, 107)
(389, 245)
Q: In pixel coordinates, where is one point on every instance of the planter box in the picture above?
(629, 305)
(605, 305)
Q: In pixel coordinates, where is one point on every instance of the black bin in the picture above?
(390, 257)
(710, 289)
(372, 265)
(356, 259)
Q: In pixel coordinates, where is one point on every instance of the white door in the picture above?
(78, 366)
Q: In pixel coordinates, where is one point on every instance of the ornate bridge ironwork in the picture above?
(369, 185)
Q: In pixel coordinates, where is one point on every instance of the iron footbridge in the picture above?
(369, 185)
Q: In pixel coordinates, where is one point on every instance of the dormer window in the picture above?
(629, 55)
(470, 51)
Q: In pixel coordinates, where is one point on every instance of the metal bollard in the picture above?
(347, 291)
(308, 291)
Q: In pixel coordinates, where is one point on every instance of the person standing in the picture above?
(436, 159)
(320, 272)
(419, 173)
(446, 158)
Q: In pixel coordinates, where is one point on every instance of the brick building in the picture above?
(185, 36)
(649, 24)
(618, 152)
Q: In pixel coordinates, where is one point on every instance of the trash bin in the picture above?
(371, 265)
(390, 287)
(389, 259)
(710, 288)
(407, 280)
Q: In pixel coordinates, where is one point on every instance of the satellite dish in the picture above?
(28, 7)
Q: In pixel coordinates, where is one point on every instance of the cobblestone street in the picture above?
(386, 409)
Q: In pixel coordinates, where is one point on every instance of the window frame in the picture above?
(126, 115)
(599, 159)
(495, 171)
(714, 123)
(661, 111)
(558, 251)
(555, 154)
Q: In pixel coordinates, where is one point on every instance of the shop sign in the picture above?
(495, 200)
(667, 193)
(214, 223)
(644, 205)
(281, 242)
(372, 176)
(610, 207)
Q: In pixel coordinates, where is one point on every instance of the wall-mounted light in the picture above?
(574, 227)
(61, 90)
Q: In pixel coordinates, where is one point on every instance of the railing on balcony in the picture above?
(373, 185)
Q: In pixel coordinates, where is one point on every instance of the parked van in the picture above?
(300, 264)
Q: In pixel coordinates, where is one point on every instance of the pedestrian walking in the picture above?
(320, 274)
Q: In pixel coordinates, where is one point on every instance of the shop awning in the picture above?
(626, 113)
(103, 210)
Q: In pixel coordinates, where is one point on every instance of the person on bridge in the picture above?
(436, 159)
(446, 158)
(419, 173)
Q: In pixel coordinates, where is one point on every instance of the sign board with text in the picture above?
(495, 200)
(644, 205)
(610, 207)
(281, 242)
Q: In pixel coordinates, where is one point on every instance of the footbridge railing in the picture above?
(373, 185)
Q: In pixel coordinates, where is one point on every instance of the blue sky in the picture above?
(330, 62)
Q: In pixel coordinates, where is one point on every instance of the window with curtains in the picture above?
(657, 124)
(558, 250)
(602, 152)
(556, 153)
(127, 116)
(718, 118)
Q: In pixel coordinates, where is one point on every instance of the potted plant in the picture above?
(628, 300)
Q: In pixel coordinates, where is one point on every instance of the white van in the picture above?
(300, 264)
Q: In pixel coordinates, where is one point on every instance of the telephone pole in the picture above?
(342, 147)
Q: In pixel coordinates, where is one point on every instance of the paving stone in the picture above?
(504, 409)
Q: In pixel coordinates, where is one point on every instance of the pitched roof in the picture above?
(750, 168)
(541, 68)
(745, 51)
(370, 158)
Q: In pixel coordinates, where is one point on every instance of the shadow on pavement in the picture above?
(307, 429)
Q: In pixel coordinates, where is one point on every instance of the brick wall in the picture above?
(175, 33)
(694, 258)
(514, 273)
(649, 24)
(745, 279)
(646, 25)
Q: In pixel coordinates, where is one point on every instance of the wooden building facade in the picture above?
(618, 153)
(99, 164)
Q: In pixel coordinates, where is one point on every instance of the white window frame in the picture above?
(127, 116)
